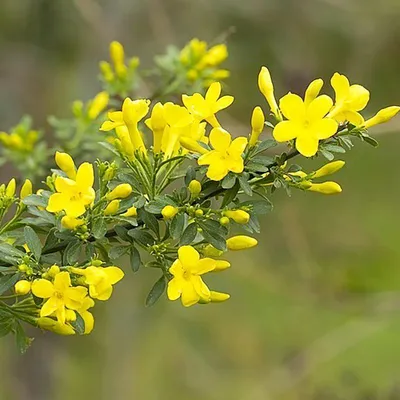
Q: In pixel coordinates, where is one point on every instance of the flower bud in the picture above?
(384, 115)
(98, 104)
(257, 125)
(313, 90)
(130, 212)
(221, 265)
(325, 188)
(210, 251)
(216, 55)
(239, 216)
(26, 189)
(106, 71)
(22, 287)
(118, 57)
(77, 108)
(112, 208)
(192, 145)
(194, 188)
(10, 189)
(157, 124)
(267, 89)
(120, 192)
(66, 164)
(22, 267)
(53, 271)
(71, 223)
(224, 221)
(329, 169)
(199, 213)
(169, 212)
(54, 326)
(241, 242)
(218, 297)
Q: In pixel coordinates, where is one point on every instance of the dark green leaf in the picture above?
(334, 148)
(140, 202)
(6, 325)
(190, 175)
(89, 250)
(79, 324)
(156, 292)
(142, 237)
(189, 234)
(135, 259)
(33, 242)
(122, 232)
(230, 194)
(99, 228)
(149, 220)
(177, 225)
(327, 154)
(229, 181)
(23, 341)
(245, 186)
(265, 145)
(35, 200)
(258, 206)
(155, 206)
(72, 252)
(117, 252)
(370, 140)
(213, 237)
(7, 249)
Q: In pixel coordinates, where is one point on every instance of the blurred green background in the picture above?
(314, 313)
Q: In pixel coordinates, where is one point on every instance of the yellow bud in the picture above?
(329, 169)
(199, 213)
(224, 221)
(241, 242)
(98, 104)
(216, 55)
(221, 265)
(54, 326)
(118, 58)
(26, 189)
(71, 223)
(134, 62)
(70, 315)
(130, 212)
(210, 251)
(106, 71)
(194, 188)
(257, 125)
(169, 212)
(220, 74)
(192, 145)
(382, 116)
(239, 216)
(267, 89)
(10, 189)
(313, 90)
(22, 287)
(325, 188)
(120, 192)
(218, 297)
(53, 271)
(192, 75)
(125, 141)
(23, 267)
(112, 208)
(66, 164)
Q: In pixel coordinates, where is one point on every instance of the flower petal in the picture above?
(220, 139)
(217, 170)
(88, 319)
(189, 257)
(286, 130)
(200, 287)
(358, 97)
(174, 289)
(204, 265)
(209, 158)
(115, 116)
(74, 208)
(189, 295)
(223, 102)
(235, 164)
(62, 281)
(177, 269)
(49, 307)
(64, 184)
(57, 202)
(42, 288)
(341, 87)
(307, 145)
(319, 107)
(292, 107)
(324, 128)
(213, 92)
(237, 146)
(85, 175)
(114, 274)
(76, 293)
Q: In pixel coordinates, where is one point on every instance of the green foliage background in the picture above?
(314, 312)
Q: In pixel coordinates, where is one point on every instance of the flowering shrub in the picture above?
(160, 182)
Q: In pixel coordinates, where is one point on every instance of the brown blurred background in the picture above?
(314, 313)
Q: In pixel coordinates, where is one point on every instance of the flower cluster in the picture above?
(165, 188)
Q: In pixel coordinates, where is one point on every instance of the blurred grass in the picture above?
(313, 314)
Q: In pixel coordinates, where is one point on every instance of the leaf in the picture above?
(190, 175)
(78, 324)
(7, 249)
(109, 147)
(142, 237)
(99, 228)
(33, 242)
(155, 206)
(72, 252)
(334, 148)
(23, 341)
(245, 186)
(370, 140)
(265, 145)
(6, 326)
(213, 237)
(188, 235)
(135, 259)
(89, 250)
(327, 154)
(117, 252)
(35, 200)
(230, 195)
(229, 181)
(122, 232)
(177, 225)
(140, 202)
(258, 207)
(51, 240)
(156, 292)
(149, 220)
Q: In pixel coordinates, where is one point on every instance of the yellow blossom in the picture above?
(325, 188)
(239, 216)
(328, 169)
(130, 212)
(26, 189)
(382, 116)
(192, 145)
(22, 287)
(214, 56)
(241, 242)
(169, 212)
(118, 58)
(205, 108)
(193, 51)
(53, 271)
(52, 325)
(186, 282)
(112, 207)
(313, 90)
(157, 124)
(97, 105)
(257, 125)
(306, 123)
(100, 280)
(120, 192)
(126, 146)
(60, 295)
(72, 223)
(66, 164)
(73, 196)
(226, 154)
(267, 89)
(349, 100)
(86, 315)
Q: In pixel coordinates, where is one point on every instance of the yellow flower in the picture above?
(239, 216)
(186, 282)
(120, 192)
(60, 295)
(52, 325)
(328, 169)
(73, 195)
(97, 105)
(267, 89)
(86, 315)
(72, 223)
(193, 51)
(382, 116)
(192, 145)
(130, 212)
(125, 145)
(349, 100)
(226, 156)
(205, 108)
(118, 58)
(132, 112)
(306, 123)
(22, 287)
(112, 207)
(100, 280)
(66, 164)
(257, 125)
(157, 124)
(325, 188)
(313, 90)
(26, 189)
(169, 212)
(241, 242)
(214, 56)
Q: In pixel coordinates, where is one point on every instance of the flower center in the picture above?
(59, 295)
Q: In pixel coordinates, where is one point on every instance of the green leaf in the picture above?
(35, 200)
(327, 154)
(188, 235)
(258, 207)
(99, 228)
(190, 175)
(89, 250)
(72, 252)
(213, 237)
(156, 292)
(6, 325)
(265, 145)
(230, 195)
(370, 140)
(9, 250)
(23, 341)
(155, 206)
(135, 259)
(177, 225)
(149, 220)
(51, 240)
(334, 148)
(109, 147)
(140, 202)
(122, 232)
(245, 186)
(117, 252)
(142, 237)
(33, 242)
(78, 324)
(229, 181)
